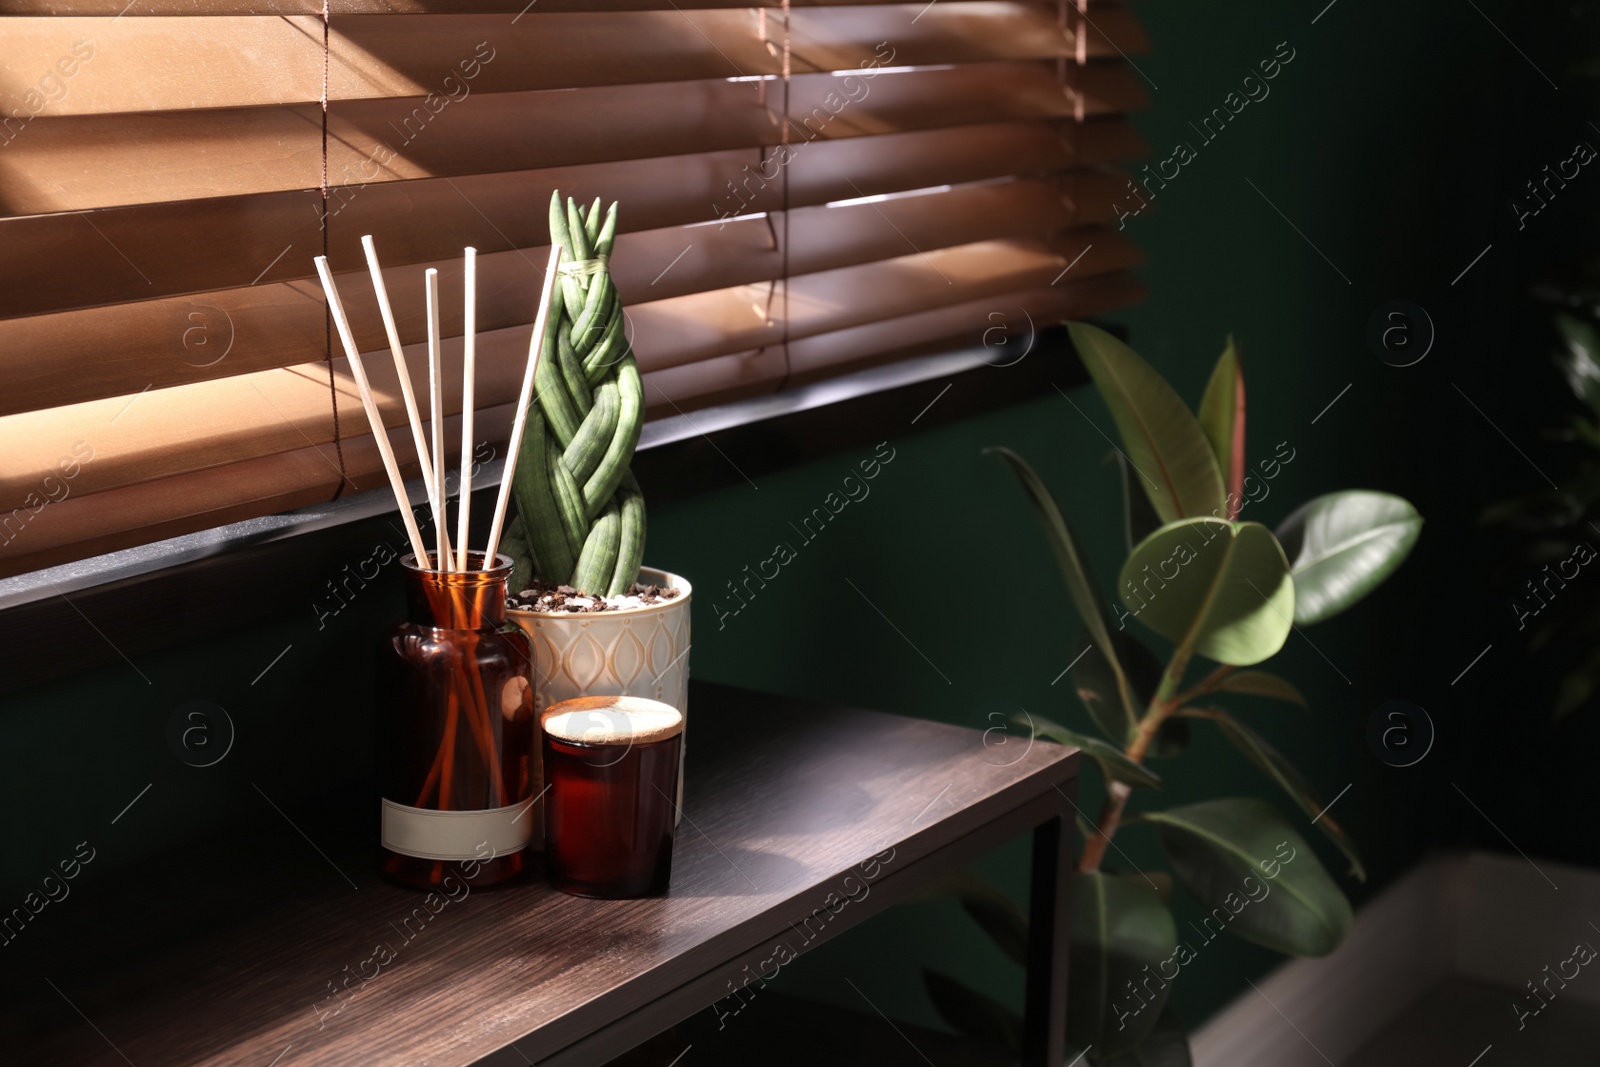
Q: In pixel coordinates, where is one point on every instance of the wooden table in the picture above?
(800, 822)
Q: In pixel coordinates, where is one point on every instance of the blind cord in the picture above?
(327, 320)
(784, 193)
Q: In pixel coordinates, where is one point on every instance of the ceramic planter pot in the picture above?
(642, 652)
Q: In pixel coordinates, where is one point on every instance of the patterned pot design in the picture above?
(640, 652)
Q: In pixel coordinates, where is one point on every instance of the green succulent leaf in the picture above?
(1119, 927)
(1277, 766)
(1343, 546)
(1167, 1046)
(1080, 586)
(1110, 758)
(1162, 439)
(1222, 419)
(1096, 684)
(1263, 684)
(1221, 588)
(973, 1014)
(1289, 904)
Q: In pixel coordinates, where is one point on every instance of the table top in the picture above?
(231, 955)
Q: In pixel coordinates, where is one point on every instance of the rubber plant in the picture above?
(580, 516)
(1224, 594)
(1558, 528)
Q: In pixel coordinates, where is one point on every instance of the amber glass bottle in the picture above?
(456, 732)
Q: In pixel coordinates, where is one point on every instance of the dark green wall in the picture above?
(1393, 141)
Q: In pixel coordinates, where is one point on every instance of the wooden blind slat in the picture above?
(116, 256)
(162, 433)
(231, 61)
(825, 355)
(85, 523)
(184, 155)
(132, 65)
(683, 329)
(61, 261)
(119, 349)
(1016, 318)
(715, 381)
(176, 156)
(526, 131)
(1103, 10)
(807, 189)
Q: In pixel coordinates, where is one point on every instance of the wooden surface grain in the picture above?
(229, 954)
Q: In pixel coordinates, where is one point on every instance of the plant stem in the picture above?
(1209, 684)
(1162, 704)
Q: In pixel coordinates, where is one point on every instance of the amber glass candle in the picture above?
(455, 731)
(612, 764)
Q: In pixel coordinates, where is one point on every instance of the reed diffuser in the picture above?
(456, 730)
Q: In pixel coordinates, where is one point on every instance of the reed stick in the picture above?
(466, 693)
(441, 505)
(433, 778)
(380, 435)
(448, 747)
(535, 343)
(469, 375)
(418, 435)
(479, 721)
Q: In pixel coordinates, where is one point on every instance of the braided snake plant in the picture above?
(580, 516)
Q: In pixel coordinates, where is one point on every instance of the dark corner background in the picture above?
(1385, 159)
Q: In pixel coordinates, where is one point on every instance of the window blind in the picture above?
(806, 190)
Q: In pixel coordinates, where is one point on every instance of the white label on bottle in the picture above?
(456, 835)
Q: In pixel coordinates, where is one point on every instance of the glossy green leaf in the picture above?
(1580, 359)
(1110, 758)
(996, 915)
(1255, 875)
(1343, 546)
(1263, 684)
(1139, 519)
(1158, 882)
(1080, 586)
(1548, 510)
(1221, 588)
(1096, 684)
(1222, 419)
(1277, 766)
(1167, 1046)
(1577, 687)
(1119, 928)
(1585, 431)
(973, 1014)
(1160, 435)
